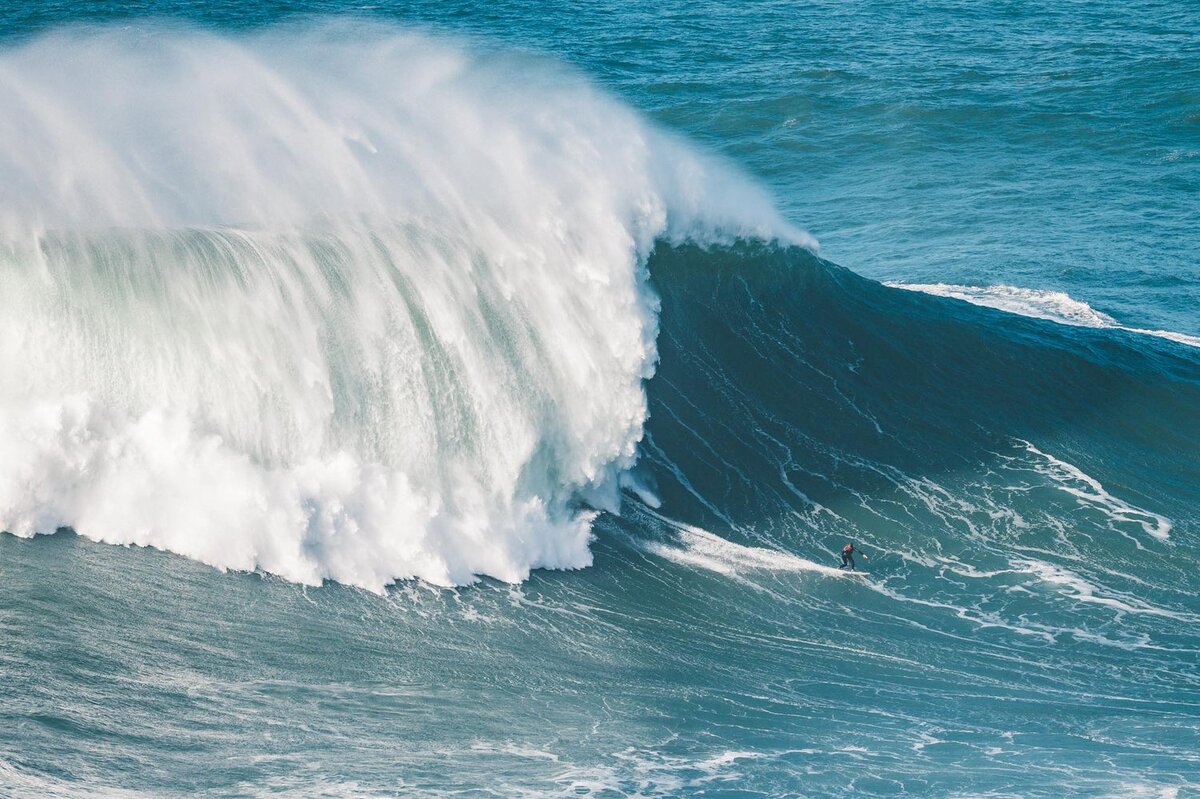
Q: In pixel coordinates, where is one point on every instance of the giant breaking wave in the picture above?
(335, 302)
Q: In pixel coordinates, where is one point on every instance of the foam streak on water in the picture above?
(1055, 306)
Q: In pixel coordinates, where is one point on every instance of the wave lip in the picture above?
(330, 301)
(1053, 306)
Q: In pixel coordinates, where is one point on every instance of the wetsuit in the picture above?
(848, 557)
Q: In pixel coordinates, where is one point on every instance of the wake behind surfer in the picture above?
(848, 553)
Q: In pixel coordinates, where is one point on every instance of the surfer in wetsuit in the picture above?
(848, 556)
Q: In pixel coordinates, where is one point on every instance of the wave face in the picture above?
(762, 342)
(336, 302)
(798, 406)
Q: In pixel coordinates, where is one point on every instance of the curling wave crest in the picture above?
(332, 302)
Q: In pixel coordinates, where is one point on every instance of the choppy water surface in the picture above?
(486, 355)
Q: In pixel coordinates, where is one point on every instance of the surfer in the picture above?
(848, 556)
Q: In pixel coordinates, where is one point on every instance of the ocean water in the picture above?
(445, 399)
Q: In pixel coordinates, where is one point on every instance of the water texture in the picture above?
(431, 400)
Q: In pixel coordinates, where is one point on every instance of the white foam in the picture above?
(44, 786)
(696, 547)
(1055, 306)
(331, 302)
(1153, 791)
(644, 773)
(1081, 590)
(1090, 493)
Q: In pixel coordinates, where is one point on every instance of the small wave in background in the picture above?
(1055, 306)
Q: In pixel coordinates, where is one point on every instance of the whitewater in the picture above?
(385, 317)
(431, 400)
(1055, 306)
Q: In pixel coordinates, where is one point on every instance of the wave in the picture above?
(332, 301)
(798, 406)
(350, 303)
(1054, 306)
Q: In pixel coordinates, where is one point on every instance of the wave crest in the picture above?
(1054, 306)
(333, 302)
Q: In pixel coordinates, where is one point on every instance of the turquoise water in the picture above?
(444, 400)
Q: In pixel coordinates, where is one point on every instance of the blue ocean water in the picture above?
(434, 399)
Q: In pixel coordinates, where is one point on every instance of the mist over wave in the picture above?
(330, 301)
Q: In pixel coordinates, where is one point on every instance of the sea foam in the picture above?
(1054, 306)
(333, 302)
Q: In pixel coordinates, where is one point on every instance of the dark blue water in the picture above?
(480, 351)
